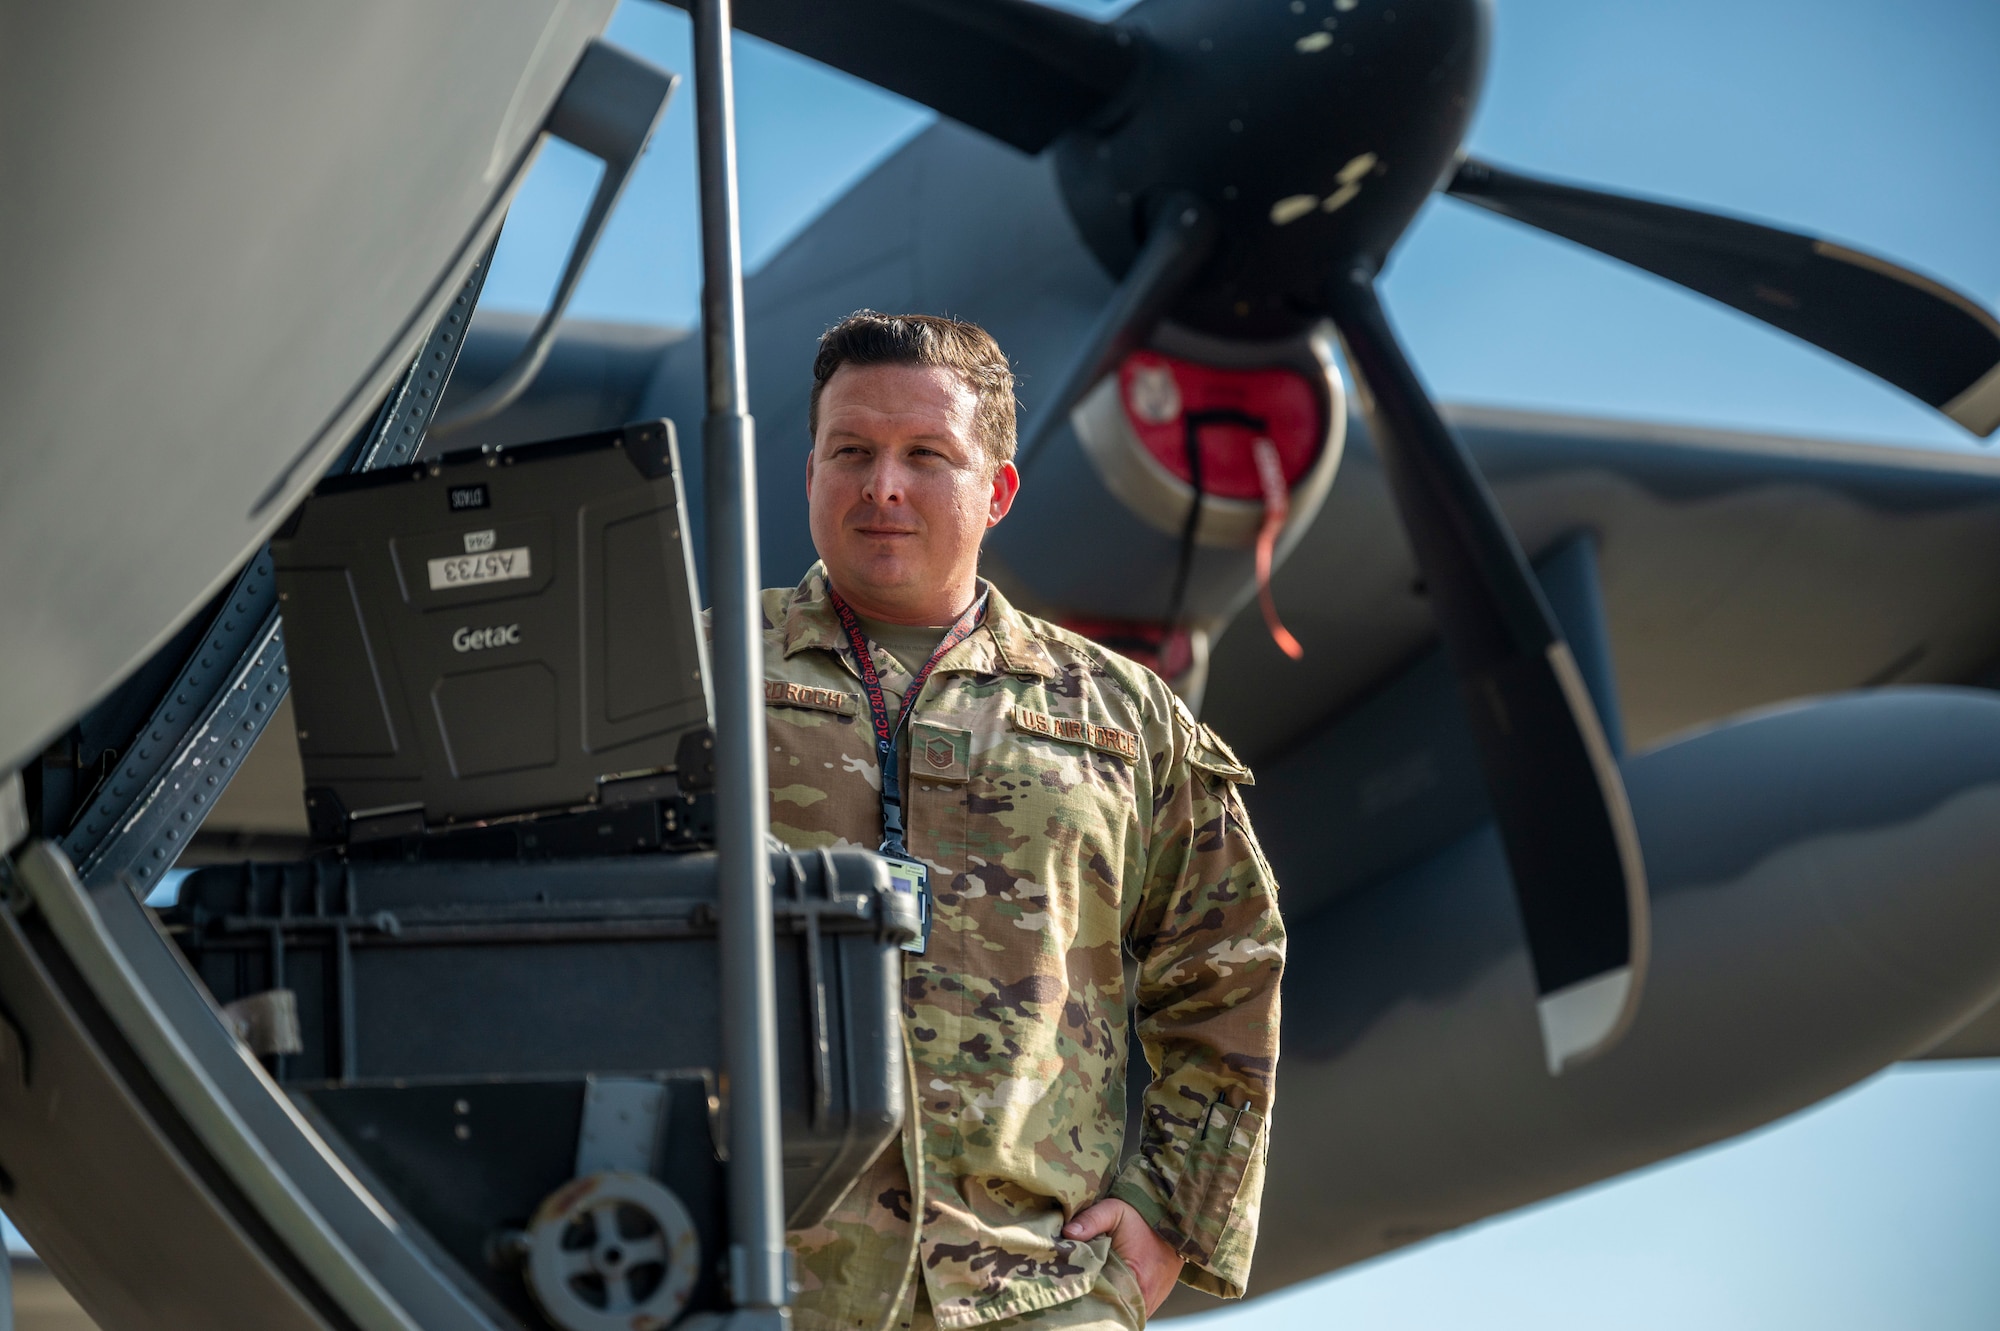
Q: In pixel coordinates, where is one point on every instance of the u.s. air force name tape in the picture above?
(1108, 738)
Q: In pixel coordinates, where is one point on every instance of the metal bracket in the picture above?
(155, 828)
(13, 813)
(621, 1125)
(266, 1023)
(609, 109)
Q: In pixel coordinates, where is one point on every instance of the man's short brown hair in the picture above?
(867, 338)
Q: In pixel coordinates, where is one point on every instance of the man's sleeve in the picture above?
(1210, 950)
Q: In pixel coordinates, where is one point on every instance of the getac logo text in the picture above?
(478, 640)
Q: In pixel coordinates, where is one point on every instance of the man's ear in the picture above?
(1006, 484)
(810, 450)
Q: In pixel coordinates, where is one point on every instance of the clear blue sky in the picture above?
(1870, 124)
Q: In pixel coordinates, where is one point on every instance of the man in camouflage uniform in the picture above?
(1070, 811)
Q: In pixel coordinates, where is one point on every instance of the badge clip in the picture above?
(913, 877)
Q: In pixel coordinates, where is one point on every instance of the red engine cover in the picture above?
(1159, 392)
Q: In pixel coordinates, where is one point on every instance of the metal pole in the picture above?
(759, 1272)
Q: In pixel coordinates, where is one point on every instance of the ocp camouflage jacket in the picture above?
(1070, 809)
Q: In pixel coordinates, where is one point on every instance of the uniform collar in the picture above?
(1005, 645)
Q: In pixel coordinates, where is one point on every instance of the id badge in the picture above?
(914, 877)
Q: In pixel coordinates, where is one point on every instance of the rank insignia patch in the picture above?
(939, 753)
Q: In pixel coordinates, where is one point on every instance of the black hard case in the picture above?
(500, 986)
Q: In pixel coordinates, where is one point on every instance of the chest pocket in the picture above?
(817, 743)
(1053, 831)
(1056, 771)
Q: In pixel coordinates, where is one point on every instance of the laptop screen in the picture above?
(491, 633)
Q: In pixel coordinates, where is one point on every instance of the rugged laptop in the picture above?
(491, 633)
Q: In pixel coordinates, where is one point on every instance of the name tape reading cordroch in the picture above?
(471, 570)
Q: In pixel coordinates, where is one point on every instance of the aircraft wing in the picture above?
(1738, 570)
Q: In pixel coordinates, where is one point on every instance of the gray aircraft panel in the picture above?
(1815, 918)
(212, 276)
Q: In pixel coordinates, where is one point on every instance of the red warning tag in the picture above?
(1159, 393)
(1236, 434)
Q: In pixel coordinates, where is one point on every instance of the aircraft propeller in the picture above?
(1901, 327)
(1245, 170)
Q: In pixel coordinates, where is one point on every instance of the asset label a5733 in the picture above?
(487, 566)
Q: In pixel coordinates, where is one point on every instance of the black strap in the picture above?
(1193, 423)
(878, 706)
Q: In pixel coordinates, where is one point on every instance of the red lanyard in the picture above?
(878, 706)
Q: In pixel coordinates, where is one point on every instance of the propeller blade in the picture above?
(1016, 70)
(1928, 340)
(1557, 794)
(1182, 236)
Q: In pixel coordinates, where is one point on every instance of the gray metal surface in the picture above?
(145, 843)
(407, 415)
(1978, 1037)
(111, 1201)
(621, 1122)
(389, 1252)
(187, 1082)
(1396, 778)
(1816, 918)
(13, 813)
(40, 1301)
(7, 1294)
(221, 241)
(759, 1266)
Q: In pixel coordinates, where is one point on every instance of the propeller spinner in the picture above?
(1245, 168)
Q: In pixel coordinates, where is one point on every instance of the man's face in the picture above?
(901, 490)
